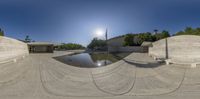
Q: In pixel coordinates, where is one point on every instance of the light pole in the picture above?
(166, 49)
(106, 35)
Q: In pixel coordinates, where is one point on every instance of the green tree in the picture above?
(70, 46)
(1, 32)
(129, 40)
(162, 35)
(138, 39)
(189, 31)
(180, 33)
(27, 39)
(165, 34)
(155, 31)
(97, 43)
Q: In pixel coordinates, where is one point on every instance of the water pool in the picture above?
(91, 60)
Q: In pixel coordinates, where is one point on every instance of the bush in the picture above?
(70, 46)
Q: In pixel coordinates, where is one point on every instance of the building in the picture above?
(40, 47)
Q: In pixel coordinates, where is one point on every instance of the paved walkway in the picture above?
(39, 76)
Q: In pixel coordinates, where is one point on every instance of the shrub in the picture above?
(70, 46)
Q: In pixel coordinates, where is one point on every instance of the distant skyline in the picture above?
(75, 21)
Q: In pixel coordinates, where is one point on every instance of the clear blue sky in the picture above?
(75, 20)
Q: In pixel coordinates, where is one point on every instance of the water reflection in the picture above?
(102, 62)
(91, 60)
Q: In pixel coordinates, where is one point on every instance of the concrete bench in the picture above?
(169, 61)
(193, 65)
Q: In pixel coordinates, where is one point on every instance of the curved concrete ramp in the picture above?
(117, 79)
(40, 76)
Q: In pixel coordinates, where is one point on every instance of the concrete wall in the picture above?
(116, 45)
(180, 49)
(139, 49)
(117, 42)
(11, 49)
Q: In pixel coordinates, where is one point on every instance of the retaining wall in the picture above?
(139, 49)
(11, 49)
(179, 49)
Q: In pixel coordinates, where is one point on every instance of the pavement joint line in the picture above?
(52, 93)
(143, 95)
(41, 66)
(113, 70)
(132, 86)
(167, 93)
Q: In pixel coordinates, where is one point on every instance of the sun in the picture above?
(99, 32)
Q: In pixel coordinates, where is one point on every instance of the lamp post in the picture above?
(166, 49)
(106, 36)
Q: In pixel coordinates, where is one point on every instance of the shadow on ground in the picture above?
(142, 64)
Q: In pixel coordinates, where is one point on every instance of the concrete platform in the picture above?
(138, 76)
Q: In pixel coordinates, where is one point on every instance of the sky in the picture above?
(76, 21)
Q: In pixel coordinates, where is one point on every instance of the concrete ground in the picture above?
(39, 76)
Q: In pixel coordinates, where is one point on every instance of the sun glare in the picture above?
(99, 32)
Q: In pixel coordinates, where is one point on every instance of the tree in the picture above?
(155, 31)
(27, 39)
(70, 46)
(138, 39)
(162, 35)
(180, 33)
(129, 40)
(165, 34)
(1, 32)
(97, 44)
(189, 31)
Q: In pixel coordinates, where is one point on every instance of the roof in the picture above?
(145, 43)
(40, 43)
